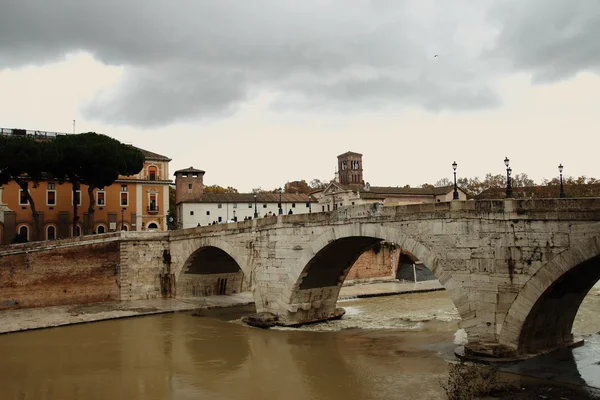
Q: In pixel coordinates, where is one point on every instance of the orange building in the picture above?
(139, 202)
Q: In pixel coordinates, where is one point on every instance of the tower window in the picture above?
(189, 185)
(208, 213)
(191, 213)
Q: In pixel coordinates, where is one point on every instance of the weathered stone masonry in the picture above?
(510, 266)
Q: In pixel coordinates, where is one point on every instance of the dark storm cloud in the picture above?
(186, 59)
(552, 39)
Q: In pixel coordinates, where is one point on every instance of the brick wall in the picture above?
(379, 262)
(59, 276)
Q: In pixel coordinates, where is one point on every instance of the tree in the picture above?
(297, 187)
(219, 189)
(23, 160)
(444, 182)
(95, 160)
(318, 184)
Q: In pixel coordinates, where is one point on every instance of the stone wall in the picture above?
(199, 285)
(145, 266)
(59, 276)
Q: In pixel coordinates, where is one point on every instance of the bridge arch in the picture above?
(313, 287)
(208, 266)
(541, 316)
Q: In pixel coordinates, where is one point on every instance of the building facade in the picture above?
(349, 188)
(138, 202)
(198, 208)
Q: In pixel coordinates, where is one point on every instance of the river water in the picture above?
(384, 348)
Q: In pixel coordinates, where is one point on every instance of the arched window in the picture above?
(124, 227)
(24, 232)
(152, 225)
(101, 229)
(50, 232)
(77, 231)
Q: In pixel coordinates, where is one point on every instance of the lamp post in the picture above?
(234, 218)
(122, 219)
(280, 209)
(455, 195)
(255, 210)
(508, 183)
(309, 204)
(562, 188)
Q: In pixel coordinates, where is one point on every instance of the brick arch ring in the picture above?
(537, 285)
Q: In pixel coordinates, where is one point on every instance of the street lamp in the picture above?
(508, 183)
(455, 195)
(255, 210)
(280, 209)
(562, 188)
(309, 204)
(122, 219)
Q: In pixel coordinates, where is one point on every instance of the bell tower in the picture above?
(350, 169)
(189, 184)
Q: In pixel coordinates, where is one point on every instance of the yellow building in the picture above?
(139, 202)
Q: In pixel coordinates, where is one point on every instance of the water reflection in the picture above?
(180, 356)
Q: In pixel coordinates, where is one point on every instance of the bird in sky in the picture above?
(435, 56)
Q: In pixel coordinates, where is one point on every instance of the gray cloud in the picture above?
(188, 59)
(552, 39)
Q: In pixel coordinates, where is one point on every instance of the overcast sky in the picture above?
(257, 93)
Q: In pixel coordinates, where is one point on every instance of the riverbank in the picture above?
(47, 317)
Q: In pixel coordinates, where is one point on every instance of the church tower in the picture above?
(350, 169)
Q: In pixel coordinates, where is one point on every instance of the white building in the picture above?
(195, 207)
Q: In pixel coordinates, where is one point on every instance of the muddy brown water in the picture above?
(384, 348)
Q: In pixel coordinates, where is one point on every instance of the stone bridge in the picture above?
(516, 270)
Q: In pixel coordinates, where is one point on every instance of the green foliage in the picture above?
(88, 158)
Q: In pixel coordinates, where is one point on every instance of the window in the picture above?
(24, 232)
(77, 231)
(293, 205)
(324, 207)
(195, 175)
(50, 232)
(220, 219)
(344, 165)
(264, 206)
(184, 175)
(101, 229)
(124, 196)
(101, 198)
(152, 173)
(152, 206)
(220, 205)
(307, 204)
(234, 205)
(22, 198)
(189, 186)
(249, 205)
(77, 198)
(208, 213)
(51, 196)
(352, 203)
(191, 213)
